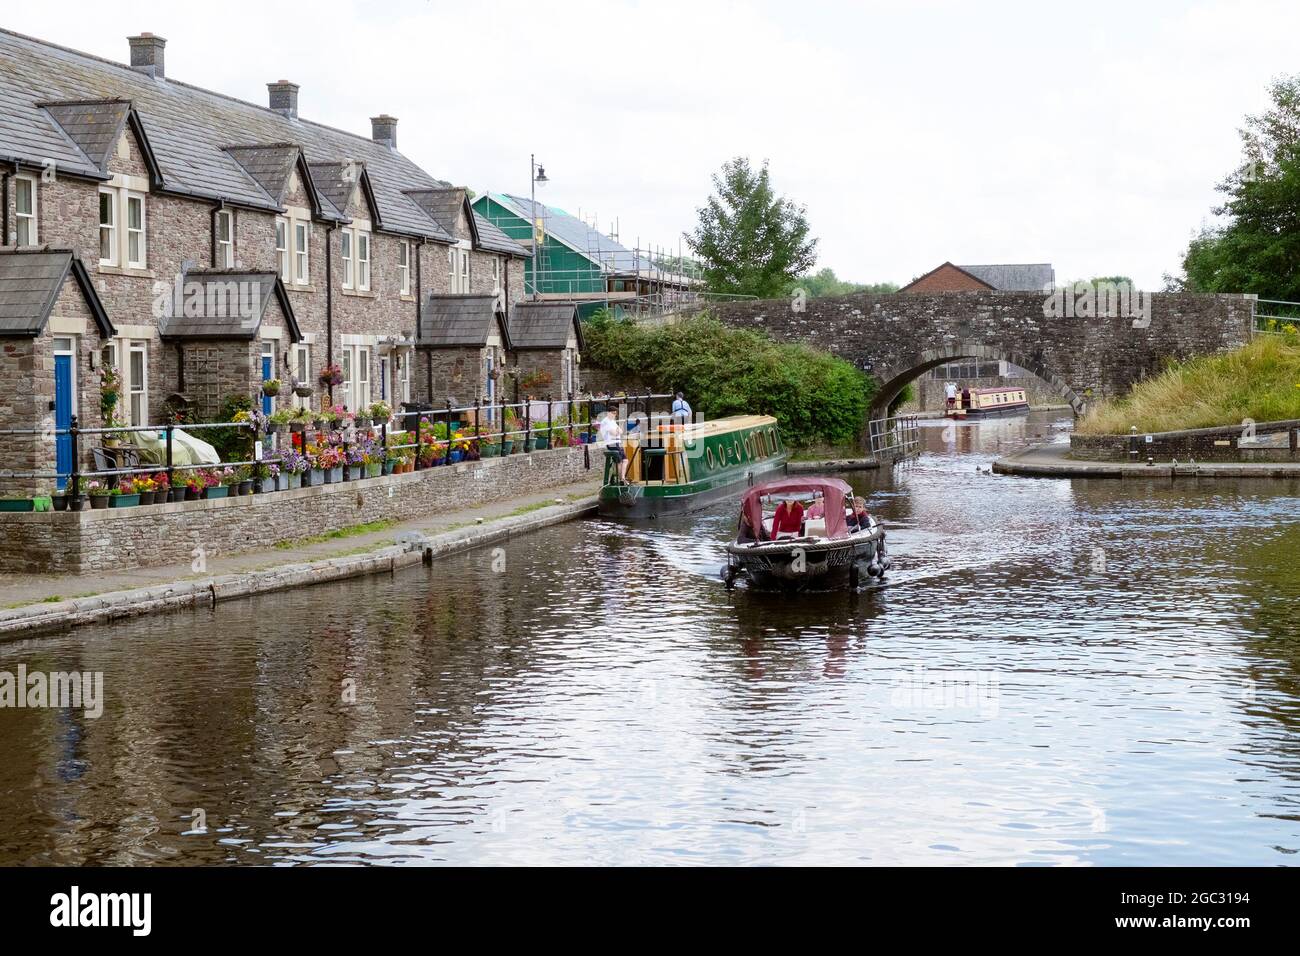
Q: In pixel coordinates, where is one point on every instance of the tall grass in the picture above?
(1260, 381)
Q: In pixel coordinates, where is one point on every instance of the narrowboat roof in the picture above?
(834, 490)
(721, 426)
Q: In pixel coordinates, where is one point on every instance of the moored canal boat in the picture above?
(781, 545)
(675, 469)
(989, 402)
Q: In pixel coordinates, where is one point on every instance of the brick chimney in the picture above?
(147, 54)
(284, 98)
(383, 129)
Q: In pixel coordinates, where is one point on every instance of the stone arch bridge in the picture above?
(898, 337)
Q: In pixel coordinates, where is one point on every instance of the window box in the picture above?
(125, 501)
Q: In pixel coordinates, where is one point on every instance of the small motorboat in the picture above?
(800, 534)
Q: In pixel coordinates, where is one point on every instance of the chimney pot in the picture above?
(383, 129)
(147, 54)
(284, 98)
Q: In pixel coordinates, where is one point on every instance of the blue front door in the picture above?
(63, 417)
(267, 361)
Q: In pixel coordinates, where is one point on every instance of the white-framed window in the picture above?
(404, 266)
(25, 210)
(451, 269)
(135, 233)
(282, 248)
(362, 396)
(404, 375)
(496, 274)
(301, 248)
(346, 247)
(108, 227)
(464, 270)
(363, 261)
(302, 371)
(345, 363)
(225, 239)
(136, 382)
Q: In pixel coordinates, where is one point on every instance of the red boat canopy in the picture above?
(833, 490)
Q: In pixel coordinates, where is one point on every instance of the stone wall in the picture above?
(122, 538)
(1274, 441)
(898, 336)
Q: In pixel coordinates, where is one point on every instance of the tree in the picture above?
(825, 282)
(1257, 247)
(752, 241)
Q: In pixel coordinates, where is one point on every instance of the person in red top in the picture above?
(788, 519)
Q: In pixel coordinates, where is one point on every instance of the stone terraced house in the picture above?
(199, 244)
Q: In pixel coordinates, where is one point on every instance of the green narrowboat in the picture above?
(676, 469)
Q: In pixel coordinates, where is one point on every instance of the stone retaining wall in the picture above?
(1274, 441)
(124, 538)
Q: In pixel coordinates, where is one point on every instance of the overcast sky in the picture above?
(1087, 135)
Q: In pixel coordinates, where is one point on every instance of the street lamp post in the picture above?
(536, 176)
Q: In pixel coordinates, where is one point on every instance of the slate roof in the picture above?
(544, 325)
(30, 282)
(1015, 277)
(185, 128)
(444, 206)
(233, 306)
(450, 321)
(93, 125)
(270, 164)
(494, 240)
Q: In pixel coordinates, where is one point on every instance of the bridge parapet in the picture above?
(900, 336)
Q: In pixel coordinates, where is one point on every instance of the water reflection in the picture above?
(1094, 672)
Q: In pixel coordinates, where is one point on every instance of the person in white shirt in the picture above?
(611, 436)
(950, 392)
(681, 413)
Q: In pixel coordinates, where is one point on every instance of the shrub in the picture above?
(814, 396)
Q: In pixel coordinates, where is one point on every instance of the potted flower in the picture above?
(331, 376)
(293, 464)
(193, 485)
(16, 503)
(243, 483)
(373, 459)
(301, 389)
(380, 413)
(271, 387)
(266, 477)
(355, 460)
(216, 483)
(330, 461)
(125, 494)
(458, 447)
(97, 491)
(144, 487)
(110, 390)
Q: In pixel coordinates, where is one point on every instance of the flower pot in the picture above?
(356, 472)
(292, 480)
(507, 446)
(244, 488)
(297, 427)
(273, 428)
(390, 466)
(146, 497)
(318, 424)
(76, 503)
(125, 501)
(455, 456)
(60, 502)
(191, 494)
(271, 391)
(16, 504)
(98, 501)
(334, 476)
(266, 485)
(216, 491)
(362, 421)
(487, 450)
(375, 469)
(541, 444)
(302, 391)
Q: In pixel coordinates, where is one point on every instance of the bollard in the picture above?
(1133, 443)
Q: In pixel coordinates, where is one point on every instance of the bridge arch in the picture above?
(893, 380)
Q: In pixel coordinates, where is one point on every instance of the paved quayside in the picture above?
(38, 604)
(1050, 461)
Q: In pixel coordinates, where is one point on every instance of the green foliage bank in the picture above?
(816, 397)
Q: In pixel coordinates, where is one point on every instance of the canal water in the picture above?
(1058, 673)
